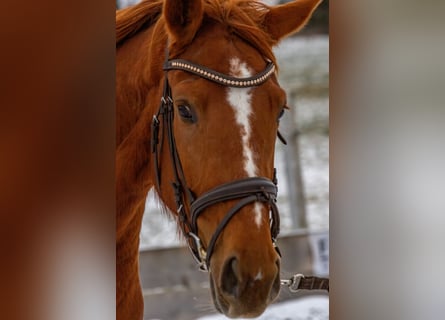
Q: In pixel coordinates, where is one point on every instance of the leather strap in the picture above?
(301, 282)
(314, 283)
(221, 78)
(249, 190)
(233, 190)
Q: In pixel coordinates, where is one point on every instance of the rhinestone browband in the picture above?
(221, 78)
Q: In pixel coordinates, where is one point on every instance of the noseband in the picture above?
(246, 191)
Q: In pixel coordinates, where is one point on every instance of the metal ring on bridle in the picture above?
(294, 282)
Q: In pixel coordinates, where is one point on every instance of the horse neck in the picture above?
(138, 77)
(138, 91)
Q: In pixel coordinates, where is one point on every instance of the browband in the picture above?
(221, 78)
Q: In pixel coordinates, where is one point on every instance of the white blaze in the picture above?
(259, 275)
(240, 100)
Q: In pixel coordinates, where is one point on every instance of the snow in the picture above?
(307, 308)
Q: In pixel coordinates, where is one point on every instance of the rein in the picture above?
(246, 191)
(300, 282)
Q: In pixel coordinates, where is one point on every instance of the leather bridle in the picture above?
(245, 191)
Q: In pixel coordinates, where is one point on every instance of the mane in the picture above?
(131, 20)
(241, 17)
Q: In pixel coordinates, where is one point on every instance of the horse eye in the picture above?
(186, 113)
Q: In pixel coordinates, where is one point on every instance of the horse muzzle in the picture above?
(244, 289)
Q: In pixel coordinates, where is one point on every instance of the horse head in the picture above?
(214, 140)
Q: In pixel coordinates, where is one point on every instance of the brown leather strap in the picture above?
(301, 282)
(223, 224)
(218, 77)
(233, 190)
(248, 190)
(313, 283)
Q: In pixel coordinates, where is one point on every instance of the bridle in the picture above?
(246, 191)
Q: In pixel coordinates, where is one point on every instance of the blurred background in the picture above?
(386, 133)
(172, 292)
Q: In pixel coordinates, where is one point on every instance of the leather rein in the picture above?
(245, 191)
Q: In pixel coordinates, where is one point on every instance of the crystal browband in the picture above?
(221, 78)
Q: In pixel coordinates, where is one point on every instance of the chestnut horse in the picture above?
(198, 107)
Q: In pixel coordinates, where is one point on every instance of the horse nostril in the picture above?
(229, 277)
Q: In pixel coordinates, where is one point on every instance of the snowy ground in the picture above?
(308, 308)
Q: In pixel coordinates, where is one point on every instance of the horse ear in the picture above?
(285, 19)
(183, 19)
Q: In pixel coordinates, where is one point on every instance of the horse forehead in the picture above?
(216, 47)
(238, 68)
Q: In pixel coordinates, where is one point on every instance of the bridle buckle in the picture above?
(199, 253)
(166, 100)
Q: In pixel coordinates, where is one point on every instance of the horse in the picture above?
(198, 110)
